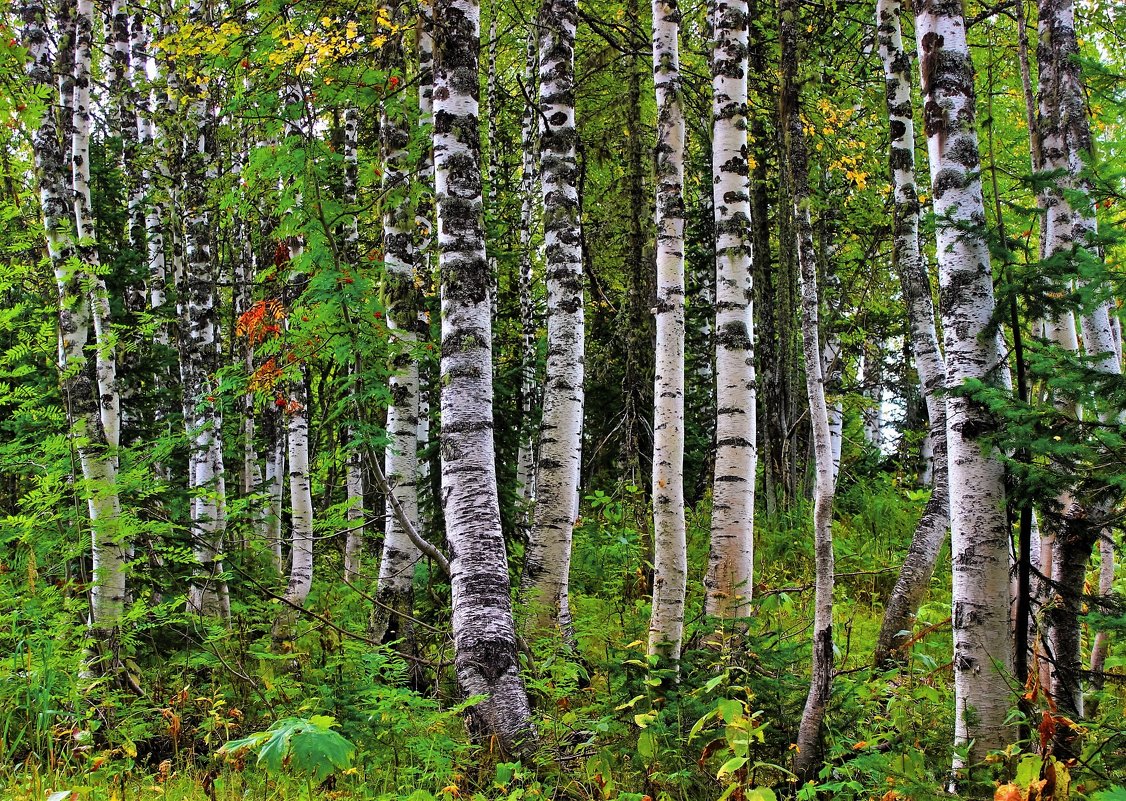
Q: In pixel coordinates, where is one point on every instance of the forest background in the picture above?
(233, 286)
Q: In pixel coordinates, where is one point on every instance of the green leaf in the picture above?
(730, 766)
(319, 752)
(647, 745)
(760, 794)
(1117, 793)
(729, 709)
(1028, 770)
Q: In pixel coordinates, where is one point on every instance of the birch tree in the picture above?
(296, 407)
(525, 460)
(354, 474)
(728, 582)
(1065, 147)
(548, 555)
(979, 529)
(87, 380)
(666, 624)
(484, 632)
(930, 532)
(820, 687)
(400, 555)
(199, 350)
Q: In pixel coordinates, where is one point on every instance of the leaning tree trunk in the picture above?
(820, 687)
(979, 529)
(81, 306)
(200, 356)
(1065, 145)
(484, 632)
(666, 624)
(728, 582)
(391, 616)
(930, 533)
(548, 556)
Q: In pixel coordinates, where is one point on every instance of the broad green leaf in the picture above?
(647, 745)
(730, 766)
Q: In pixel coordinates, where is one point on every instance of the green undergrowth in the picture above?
(221, 706)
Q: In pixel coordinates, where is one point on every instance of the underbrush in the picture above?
(612, 728)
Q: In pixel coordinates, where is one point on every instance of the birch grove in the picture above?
(321, 326)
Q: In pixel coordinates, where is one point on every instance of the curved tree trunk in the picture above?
(484, 633)
(730, 575)
(548, 556)
(930, 533)
(979, 528)
(817, 701)
(670, 568)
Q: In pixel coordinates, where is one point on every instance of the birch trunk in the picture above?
(354, 481)
(979, 529)
(484, 632)
(548, 556)
(1065, 145)
(427, 489)
(199, 350)
(297, 407)
(730, 575)
(525, 462)
(274, 435)
(391, 617)
(832, 369)
(83, 378)
(817, 701)
(666, 625)
(930, 533)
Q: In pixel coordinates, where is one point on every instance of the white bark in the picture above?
(979, 529)
(529, 203)
(400, 555)
(484, 632)
(82, 391)
(930, 533)
(821, 676)
(199, 350)
(354, 480)
(548, 555)
(729, 580)
(274, 435)
(1065, 144)
(666, 625)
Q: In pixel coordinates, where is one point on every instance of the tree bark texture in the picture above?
(730, 575)
(548, 555)
(930, 532)
(817, 701)
(484, 632)
(979, 528)
(666, 625)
